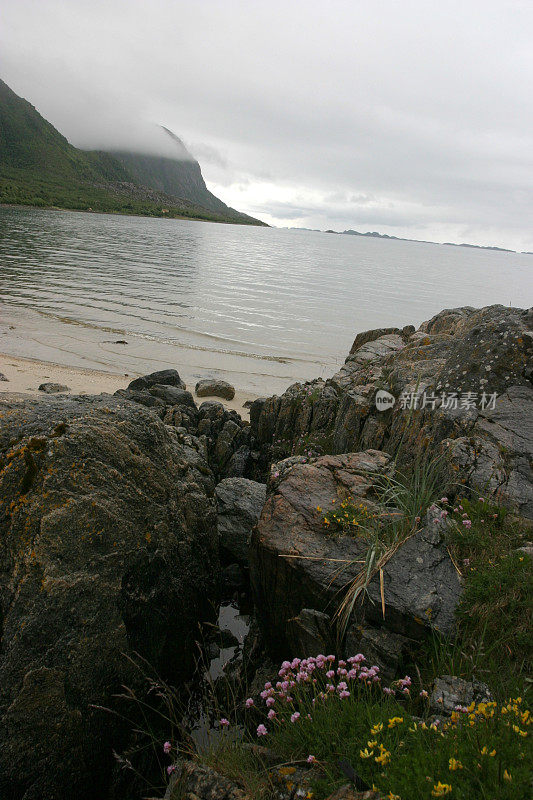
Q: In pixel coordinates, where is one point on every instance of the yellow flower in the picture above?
(507, 776)
(318, 509)
(454, 764)
(391, 796)
(371, 744)
(393, 721)
(365, 754)
(485, 752)
(378, 727)
(384, 755)
(440, 789)
(520, 732)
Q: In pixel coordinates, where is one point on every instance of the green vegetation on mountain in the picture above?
(39, 167)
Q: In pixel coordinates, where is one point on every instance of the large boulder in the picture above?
(482, 355)
(298, 565)
(213, 387)
(239, 503)
(108, 546)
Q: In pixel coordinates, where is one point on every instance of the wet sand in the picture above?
(24, 376)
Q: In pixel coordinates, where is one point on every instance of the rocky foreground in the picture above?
(123, 518)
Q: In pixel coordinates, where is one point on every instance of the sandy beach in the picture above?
(25, 375)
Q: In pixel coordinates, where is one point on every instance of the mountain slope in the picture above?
(180, 176)
(38, 166)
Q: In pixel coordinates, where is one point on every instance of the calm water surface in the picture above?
(276, 305)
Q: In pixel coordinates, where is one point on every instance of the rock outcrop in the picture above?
(239, 504)
(298, 567)
(108, 545)
(471, 372)
(224, 436)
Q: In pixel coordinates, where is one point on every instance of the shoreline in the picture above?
(123, 213)
(108, 349)
(24, 376)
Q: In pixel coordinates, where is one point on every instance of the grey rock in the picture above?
(212, 387)
(172, 395)
(109, 547)
(488, 350)
(496, 457)
(448, 692)
(164, 377)
(143, 398)
(53, 388)
(295, 563)
(310, 633)
(226, 439)
(379, 646)
(194, 781)
(239, 503)
(371, 336)
(232, 578)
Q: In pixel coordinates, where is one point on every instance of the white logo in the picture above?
(384, 400)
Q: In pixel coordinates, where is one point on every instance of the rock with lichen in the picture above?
(485, 436)
(108, 546)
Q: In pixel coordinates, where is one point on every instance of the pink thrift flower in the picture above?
(295, 717)
(224, 723)
(261, 730)
(270, 702)
(167, 747)
(171, 769)
(311, 759)
(424, 694)
(271, 714)
(249, 702)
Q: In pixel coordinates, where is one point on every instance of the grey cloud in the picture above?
(418, 113)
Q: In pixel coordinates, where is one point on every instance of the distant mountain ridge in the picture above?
(376, 235)
(38, 166)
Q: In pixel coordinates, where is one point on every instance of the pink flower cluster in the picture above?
(325, 675)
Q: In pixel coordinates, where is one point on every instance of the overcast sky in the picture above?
(410, 117)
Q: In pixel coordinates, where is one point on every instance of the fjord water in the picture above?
(261, 307)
